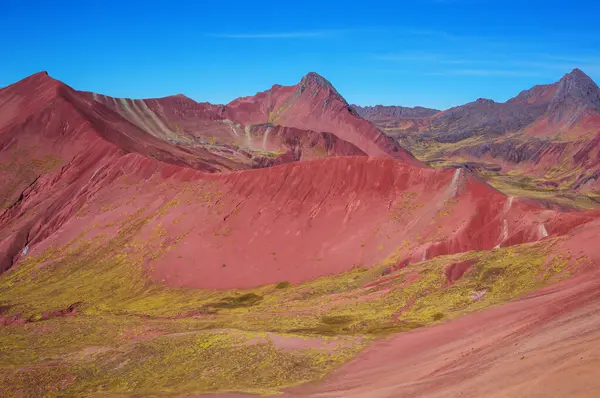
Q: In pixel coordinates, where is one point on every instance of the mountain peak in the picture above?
(314, 79)
(38, 76)
(578, 73)
(316, 82)
(576, 89)
(39, 82)
(578, 77)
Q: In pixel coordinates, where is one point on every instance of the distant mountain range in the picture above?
(382, 112)
(548, 131)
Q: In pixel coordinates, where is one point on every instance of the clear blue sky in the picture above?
(436, 53)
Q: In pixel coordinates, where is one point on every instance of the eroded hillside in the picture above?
(167, 247)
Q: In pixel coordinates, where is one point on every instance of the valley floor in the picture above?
(144, 339)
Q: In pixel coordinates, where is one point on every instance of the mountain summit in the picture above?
(576, 92)
(313, 78)
(315, 104)
(314, 82)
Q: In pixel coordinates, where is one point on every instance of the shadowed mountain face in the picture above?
(547, 132)
(575, 92)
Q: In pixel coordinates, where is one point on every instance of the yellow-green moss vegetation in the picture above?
(429, 150)
(268, 154)
(405, 206)
(553, 183)
(132, 336)
(276, 113)
(166, 364)
(523, 186)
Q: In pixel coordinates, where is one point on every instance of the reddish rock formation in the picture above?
(314, 104)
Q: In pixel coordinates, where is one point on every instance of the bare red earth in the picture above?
(316, 105)
(292, 222)
(76, 166)
(285, 224)
(543, 346)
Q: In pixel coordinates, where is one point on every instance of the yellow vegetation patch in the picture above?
(135, 336)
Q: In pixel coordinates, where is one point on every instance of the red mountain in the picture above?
(124, 134)
(315, 104)
(141, 221)
(193, 126)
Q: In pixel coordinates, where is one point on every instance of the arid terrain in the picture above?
(291, 243)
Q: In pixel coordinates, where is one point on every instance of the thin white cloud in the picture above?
(279, 35)
(408, 57)
(432, 33)
(485, 72)
(421, 57)
(485, 63)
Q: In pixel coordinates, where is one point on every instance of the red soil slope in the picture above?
(543, 346)
(105, 172)
(52, 142)
(293, 222)
(315, 104)
(185, 123)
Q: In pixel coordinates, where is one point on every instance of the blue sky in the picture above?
(436, 53)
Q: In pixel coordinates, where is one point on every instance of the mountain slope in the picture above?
(314, 104)
(545, 133)
(561, 105)
(138, 259)
(184, 123)
(393, 112)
